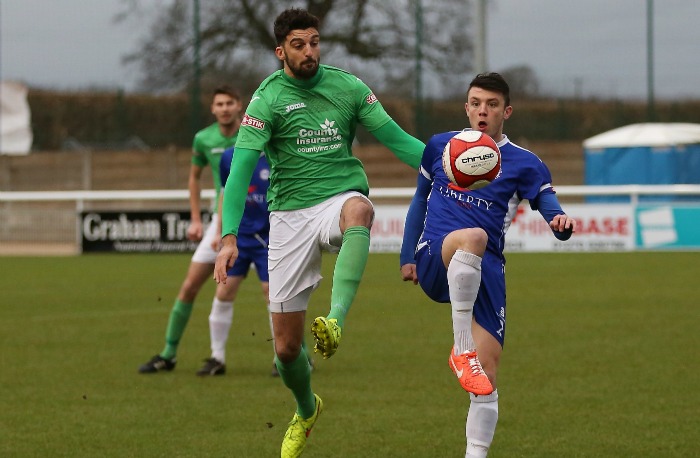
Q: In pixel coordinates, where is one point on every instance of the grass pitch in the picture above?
(600, 360)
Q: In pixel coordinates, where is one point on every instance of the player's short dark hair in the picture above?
(293, 19)
(492, 82)
(228, 90)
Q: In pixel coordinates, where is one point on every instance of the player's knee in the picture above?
(474, 241)
(480, 236)
(226, 296)
(189, 290)
(470, 240)
(357, 212)
(287, 352)
(193, 283)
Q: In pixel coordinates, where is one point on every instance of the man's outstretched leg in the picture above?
(354, 222)
(349, 268)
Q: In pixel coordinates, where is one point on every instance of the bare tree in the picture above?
(373, 38)
(522, 80)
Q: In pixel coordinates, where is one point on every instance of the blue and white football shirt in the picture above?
(492, 208)
(256, 215)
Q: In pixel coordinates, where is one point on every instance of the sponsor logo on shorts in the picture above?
(252, 122)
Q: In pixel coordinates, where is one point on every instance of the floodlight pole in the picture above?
(419, 70)
(196, 98)
(480, 65)
(651, 111)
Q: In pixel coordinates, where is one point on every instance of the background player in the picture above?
(252, 241)
(453, 246)
(304, 117)
(207, 147)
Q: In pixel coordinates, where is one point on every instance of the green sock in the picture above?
(349, 268)
(305, 350)
(297, 377)
(179, 316)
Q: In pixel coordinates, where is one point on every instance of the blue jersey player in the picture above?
(252, 241)
(453, 247)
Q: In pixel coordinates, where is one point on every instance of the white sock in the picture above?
(481, 424)
(220, 320)
(463, 278)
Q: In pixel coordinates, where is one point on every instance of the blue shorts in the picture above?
(490, 305)
(250, 253)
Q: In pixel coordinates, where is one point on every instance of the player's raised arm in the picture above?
(407, 148)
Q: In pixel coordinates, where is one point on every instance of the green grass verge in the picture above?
(600, 360)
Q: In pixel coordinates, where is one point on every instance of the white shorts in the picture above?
(204, 253)
(297, 239)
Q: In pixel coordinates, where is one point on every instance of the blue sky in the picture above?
(587, 46)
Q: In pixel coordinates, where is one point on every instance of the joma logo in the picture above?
(295, 106)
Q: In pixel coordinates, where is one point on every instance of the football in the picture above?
(471, 159)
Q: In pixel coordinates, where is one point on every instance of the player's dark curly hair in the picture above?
(492, 82)
(293, 19)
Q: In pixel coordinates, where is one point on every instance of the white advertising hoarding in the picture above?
(387, 229)
(601, 227)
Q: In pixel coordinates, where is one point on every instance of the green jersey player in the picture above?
(207, 147)
(304, 117)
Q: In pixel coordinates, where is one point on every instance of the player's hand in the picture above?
(563, 223)
(195, 231)
(408, 273)
(226, 257)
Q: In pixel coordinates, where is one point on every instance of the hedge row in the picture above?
(112, 120)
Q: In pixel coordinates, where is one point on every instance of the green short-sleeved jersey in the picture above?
(207, 147)
(306, 128)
